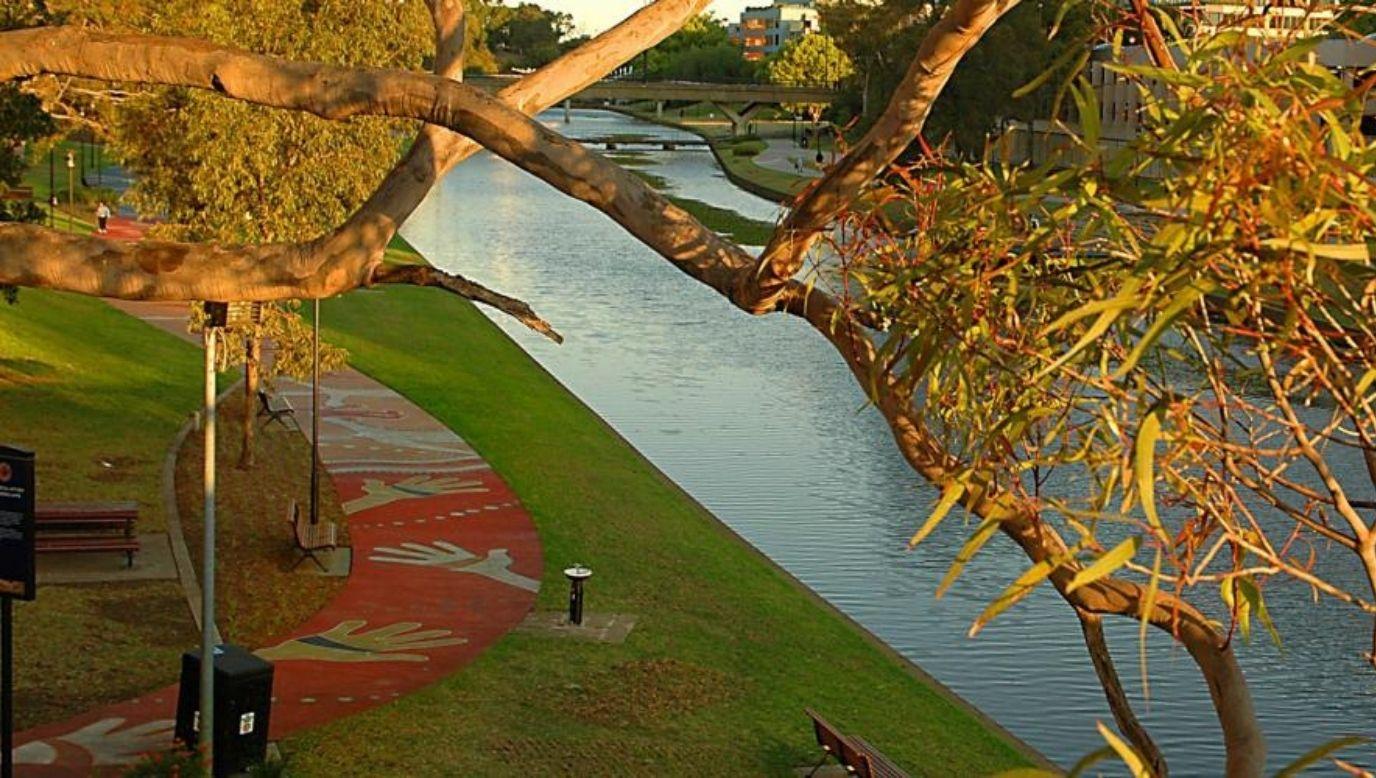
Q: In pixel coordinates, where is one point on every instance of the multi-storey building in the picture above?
(1259, 18)
(764, 30)
(1120, 101)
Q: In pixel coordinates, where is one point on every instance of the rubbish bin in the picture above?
(243, 703)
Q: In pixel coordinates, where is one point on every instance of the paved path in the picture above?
(781, 154)
(445, 561)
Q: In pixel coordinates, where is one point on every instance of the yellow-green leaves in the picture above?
(1127, 753)
(1019, 589)
(1107, 564)
(1143, 463)
(1243, 597)
(949, 496)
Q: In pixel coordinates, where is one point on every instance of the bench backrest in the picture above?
(856, 759)
(828, 737)
(265, 400)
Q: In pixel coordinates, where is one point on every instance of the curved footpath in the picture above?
(445, 561)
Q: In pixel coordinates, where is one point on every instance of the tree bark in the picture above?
(1092, 627)
(253, 356)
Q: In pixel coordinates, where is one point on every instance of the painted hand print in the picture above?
(377, 493)
(345, 643)
(443, 554)
(105, 741)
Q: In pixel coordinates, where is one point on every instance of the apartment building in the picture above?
(763, 30)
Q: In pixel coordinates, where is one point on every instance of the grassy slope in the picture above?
(727, 651)
(80, 383)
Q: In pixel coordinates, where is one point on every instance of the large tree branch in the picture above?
(341, 260)
(962, 26)
(332, 264)
(1246, 749)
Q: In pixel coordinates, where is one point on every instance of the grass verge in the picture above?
(727, 650)
(99, 396)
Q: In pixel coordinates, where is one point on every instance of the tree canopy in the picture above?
(700, 51)
(1139, 365)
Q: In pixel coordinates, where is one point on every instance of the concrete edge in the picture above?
(1033, 755)
(181, 555)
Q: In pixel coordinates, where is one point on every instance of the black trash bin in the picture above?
(243, 703)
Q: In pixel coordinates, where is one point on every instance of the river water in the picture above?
(758, 419)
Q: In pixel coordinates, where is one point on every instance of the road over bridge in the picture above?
(738, 102)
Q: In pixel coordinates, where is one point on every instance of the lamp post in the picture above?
(216, 317)
(315, 411)
(71, 189)
(52, 188)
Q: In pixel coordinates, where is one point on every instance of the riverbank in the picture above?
(736, 158)
(727, 648)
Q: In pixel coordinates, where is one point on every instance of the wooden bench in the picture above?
(277, 409)
(86, 527)
(855, 754)
(18, 193)
(309, 538)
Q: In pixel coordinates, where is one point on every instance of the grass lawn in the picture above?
(727, 650)
(99, 396)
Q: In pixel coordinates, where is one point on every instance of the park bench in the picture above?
(309, 538)
(18, 193)
(855, 754)
(277, 409)
(86, 527)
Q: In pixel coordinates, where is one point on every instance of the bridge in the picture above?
(738, 102)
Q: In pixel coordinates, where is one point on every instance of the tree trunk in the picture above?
(1092, 625)
(253, 354)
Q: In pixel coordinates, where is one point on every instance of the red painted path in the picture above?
(445, 561)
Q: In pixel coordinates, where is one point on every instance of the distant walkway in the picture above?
(784, 155)
(445, 562)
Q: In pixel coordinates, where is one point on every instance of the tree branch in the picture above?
(963, 24)
(425, 275)
(348, 257)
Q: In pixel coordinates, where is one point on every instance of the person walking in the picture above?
(103, 216)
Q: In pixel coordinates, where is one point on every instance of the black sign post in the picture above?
(17, 578)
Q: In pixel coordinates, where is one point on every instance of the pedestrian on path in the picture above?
(103, 216)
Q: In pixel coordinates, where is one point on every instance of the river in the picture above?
(759, 420)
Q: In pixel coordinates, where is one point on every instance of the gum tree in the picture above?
(1158, 340)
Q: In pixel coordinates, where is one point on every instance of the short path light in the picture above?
(576, 575)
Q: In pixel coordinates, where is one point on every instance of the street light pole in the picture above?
(315, 412)
(206, 730)
(52, 188)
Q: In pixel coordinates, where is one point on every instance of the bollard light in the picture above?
(576, 575)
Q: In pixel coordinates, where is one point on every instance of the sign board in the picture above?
(16, 524)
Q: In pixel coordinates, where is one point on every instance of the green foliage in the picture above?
(217, 169)
(880, 39)
(291, 338)
(525, 35)
(808, 61)
(1184, 327)
(698, 51)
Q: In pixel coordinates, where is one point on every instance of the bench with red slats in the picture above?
(854, 753)
(87, 527)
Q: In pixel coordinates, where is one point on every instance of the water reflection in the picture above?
(758, 419)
